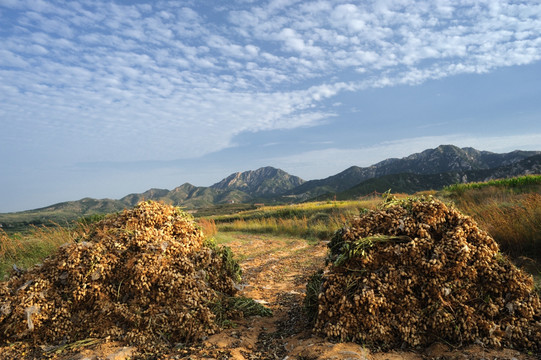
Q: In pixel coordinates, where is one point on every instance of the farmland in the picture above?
(280, 247)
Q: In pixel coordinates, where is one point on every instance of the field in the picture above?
(275, 272)
(280, 247)
(510, 210)
(23, 250)
(314, 220)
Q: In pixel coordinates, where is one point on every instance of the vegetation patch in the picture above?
(18, 251)
(313, 289)
(509, 209)
(249, 307)
(518, 184)
(315, 220)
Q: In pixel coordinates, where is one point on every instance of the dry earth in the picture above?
(275, 272)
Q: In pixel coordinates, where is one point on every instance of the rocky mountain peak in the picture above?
(261, 182)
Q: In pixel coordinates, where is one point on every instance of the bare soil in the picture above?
(275, 272)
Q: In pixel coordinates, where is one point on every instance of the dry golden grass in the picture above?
(514, 221)
(312, 220)
(208, 226)
(509, 209)
(27, 250)
(319, 226)
(9, 247)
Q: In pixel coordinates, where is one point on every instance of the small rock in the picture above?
(121, 354)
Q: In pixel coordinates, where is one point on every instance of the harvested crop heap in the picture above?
(145, 276)
(415, 272)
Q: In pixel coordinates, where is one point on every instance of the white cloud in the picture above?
(403, 33)
(188, 83)
(294, 42)
(9, 59)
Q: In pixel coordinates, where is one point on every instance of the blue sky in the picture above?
(106, 98)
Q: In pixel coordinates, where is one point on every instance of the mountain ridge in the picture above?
(411, 182)
(261, 182)
(272, 185)
(442, 159)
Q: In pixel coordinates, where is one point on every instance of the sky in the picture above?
(106, 98)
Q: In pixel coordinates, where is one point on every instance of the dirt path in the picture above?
(275, 274)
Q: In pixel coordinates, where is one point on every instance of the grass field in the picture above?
(314, 220)
(510, 210)
(29, 249)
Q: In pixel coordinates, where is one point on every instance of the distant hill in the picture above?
(443, 159)
(263, 182)
(62, 213)
(410, 183)
(237, 187)
(430, 169)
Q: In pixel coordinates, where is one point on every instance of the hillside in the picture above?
(62, 213)
(263, 182)
(443, 159)
(410, 183)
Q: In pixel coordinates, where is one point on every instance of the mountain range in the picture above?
(430, 169)
(445, 161)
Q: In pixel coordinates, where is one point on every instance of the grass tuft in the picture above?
(208, 226)
(249, 307)
(313, 289)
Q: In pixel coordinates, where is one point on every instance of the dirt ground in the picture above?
(275, 272)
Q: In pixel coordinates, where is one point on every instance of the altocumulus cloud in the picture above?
(169, 79)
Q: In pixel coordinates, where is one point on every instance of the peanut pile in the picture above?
(417, 271)
(145, 276)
